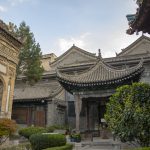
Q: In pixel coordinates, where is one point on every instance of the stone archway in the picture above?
(9, 52)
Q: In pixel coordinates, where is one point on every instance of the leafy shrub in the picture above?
(27, 132)
(65, 147)
(50, 129)
(25, 146)
(76, 137)
(7, 128)
(128, 115)
(58, 127)
(41, 141)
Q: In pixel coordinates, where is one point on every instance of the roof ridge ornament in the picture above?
(142, 60)
(99, 54)
(57, 66)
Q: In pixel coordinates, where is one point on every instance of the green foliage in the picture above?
(76, 137)
(59, 127)
(7, 128)
(50, 129)
(27, 132)
(24, 146)
(128, 114)
(30, 55)
(144, 148)
(66, 147)
(56, 127)
(43, 141)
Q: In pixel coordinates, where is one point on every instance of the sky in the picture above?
(89, 24)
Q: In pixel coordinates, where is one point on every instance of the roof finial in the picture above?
(99, 53)
(116, 53)
(73, 44)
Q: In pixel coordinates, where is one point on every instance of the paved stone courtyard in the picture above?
(102, 144)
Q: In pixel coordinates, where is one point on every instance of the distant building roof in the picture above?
(143, 40)
(44, 56)
(91, 55)
(47, 59)
(36, 92)
(141, 21)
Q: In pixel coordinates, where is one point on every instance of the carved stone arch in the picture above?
(9, 51)
(3, 82)
(2, 88)
(2, 92)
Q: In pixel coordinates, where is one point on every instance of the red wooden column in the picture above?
(78, 106)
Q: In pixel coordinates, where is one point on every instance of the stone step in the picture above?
(97, 146)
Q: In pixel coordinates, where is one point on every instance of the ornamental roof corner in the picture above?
(141, 20)
(4, 31)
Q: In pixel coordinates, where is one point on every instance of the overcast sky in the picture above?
(89, 24)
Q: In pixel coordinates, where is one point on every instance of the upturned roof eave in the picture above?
(101, 83)
(100, 72)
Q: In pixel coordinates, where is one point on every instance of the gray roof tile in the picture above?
(39, 91)
(100, 72)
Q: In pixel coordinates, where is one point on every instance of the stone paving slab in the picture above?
(94, 148)
(102, 144)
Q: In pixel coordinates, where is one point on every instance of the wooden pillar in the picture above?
(78, 106)
(99, 113)
(87, 116)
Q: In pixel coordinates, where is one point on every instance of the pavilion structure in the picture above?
(141, 20)
(9, 51)
(93, 87)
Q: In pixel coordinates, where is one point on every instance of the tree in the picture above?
(7, 128)
(30, 53)
(128, 113)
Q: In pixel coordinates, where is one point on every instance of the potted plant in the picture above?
(76, 137)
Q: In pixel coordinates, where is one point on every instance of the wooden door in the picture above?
(40, 118)
(20, 115)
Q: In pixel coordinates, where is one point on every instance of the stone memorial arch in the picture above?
(9, 51)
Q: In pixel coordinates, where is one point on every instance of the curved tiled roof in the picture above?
(101, 73)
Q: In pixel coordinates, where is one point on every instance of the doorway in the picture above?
(95, 111)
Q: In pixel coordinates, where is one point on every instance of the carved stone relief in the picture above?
(9, 51)
(11, 72)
